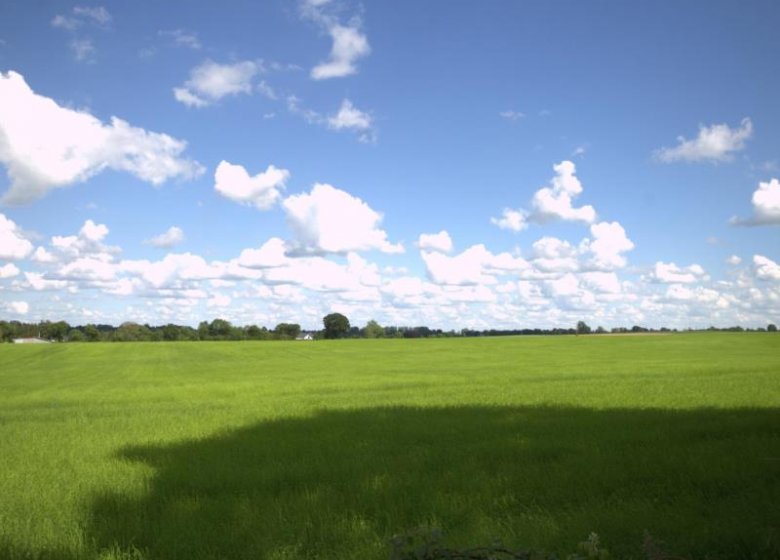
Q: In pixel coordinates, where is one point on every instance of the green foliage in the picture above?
(132, 332)
(336, 325)
(75, 335)
(373, 330)
(582, 328)
(219, 329)
(287, 331)
(92, 333)
(771, 327)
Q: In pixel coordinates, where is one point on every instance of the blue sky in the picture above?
(453, 164)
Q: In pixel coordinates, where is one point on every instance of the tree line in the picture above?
(335, 325)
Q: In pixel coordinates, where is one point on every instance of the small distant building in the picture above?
(305, 336)
(30, 341)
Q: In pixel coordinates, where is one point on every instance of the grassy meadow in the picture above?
(298, 450)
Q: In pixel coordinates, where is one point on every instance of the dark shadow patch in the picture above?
(339, 484)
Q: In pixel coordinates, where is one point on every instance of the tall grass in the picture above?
(326, 449)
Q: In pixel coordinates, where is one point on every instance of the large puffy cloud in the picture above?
(210, 82)
(715, 143)
(766, 268)
(169, 270)
(18, 307)
(45, 146)
(357, 277)
(37, 282)
(603, 251)
(88, 241)
(607, 246)
(552, 255)
(97, 267)
(8, 270)
(435, 242)
(670, 273)
(329, 220)
(261, 191)
(555, 202)
(270, 255)
(550, 203)
(13, 244)
(766, 205)
(475, 265)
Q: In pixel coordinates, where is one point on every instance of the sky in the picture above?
(498, 164)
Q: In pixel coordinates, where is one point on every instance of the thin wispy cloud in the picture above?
(349, 43)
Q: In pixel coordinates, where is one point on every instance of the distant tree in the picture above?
(75, 335)
(771, 327)
(59, 330)
(171, 332)
(203, 330)
(91, 333)
(188, 333)
(287, 331)
(132, 332)
(253, 332)
(219, 329)
(600, 330)
(373, 330)
(6, 333)
(583, 328)
(236, 333)
(336, 325)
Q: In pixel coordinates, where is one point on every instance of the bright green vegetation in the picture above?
(326, 449)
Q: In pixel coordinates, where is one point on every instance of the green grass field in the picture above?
(325, 449)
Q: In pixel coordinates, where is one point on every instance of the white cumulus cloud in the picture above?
(46, 146)
(13, 244)
(766, 268)
(670, 273)
(555, 202)
(607, 246)
(329, 220)
(766, 205)
(18, 307)
(513, 220)
(435, 242)
(474, 266)
(173, 236)
(271, 254)
(210, 82)
(715, 143)
(261, 191)
(88, 241)
(8, 271)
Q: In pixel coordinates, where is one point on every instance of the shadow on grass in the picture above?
(339, 484)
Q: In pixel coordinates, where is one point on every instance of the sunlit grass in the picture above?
(325, 449)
